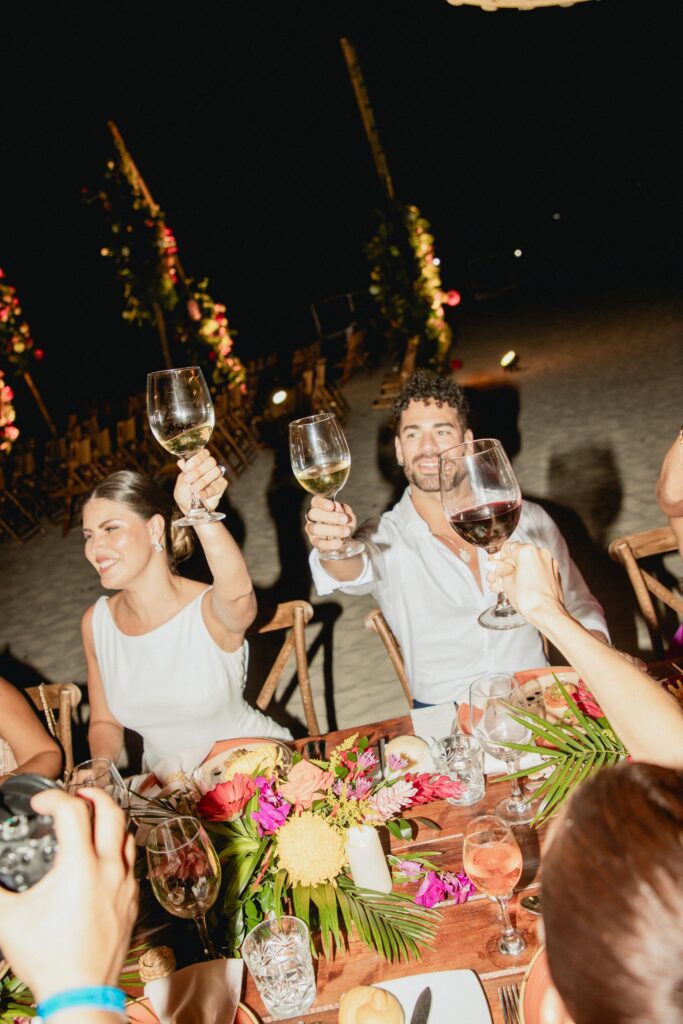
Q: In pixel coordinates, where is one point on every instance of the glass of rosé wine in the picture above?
(483, 502)
(493, 861)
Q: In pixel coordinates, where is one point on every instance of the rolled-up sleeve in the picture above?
(366, 581)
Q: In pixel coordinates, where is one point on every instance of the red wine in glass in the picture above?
(487, 526)
(482, 501)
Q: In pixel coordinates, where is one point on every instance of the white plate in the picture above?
(456, 996)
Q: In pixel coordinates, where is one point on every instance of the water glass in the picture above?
(462, 760)
(278, 955)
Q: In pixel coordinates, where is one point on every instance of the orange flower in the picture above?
(305, 783)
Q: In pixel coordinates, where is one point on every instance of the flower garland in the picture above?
(144, 251)
(17, 348)
(406, 281)
(8, 431)
(280, 832)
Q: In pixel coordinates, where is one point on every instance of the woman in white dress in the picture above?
(166, 655)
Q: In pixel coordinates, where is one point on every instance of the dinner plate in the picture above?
(141, 1012)
(534, 987)
(456, 995)
(215, 759)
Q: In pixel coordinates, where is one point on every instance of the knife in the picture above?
(422, 1007)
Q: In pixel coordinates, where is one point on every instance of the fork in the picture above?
(509, 1002)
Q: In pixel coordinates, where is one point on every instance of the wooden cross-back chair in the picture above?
(62, 698)
(376, 623)
(629, 550)
(292, 616)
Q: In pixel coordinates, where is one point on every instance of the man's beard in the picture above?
(428, 482)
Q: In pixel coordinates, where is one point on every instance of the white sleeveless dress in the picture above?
(174, 685)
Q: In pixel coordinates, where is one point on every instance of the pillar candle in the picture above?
(369, 868)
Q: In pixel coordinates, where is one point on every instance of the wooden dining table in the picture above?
(468, 933)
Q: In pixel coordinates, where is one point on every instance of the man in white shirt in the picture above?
(428, 582)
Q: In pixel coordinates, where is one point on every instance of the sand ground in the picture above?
(598, 399)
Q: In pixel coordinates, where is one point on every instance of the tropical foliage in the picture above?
(580, 743)
(406, 282)
(280, 832)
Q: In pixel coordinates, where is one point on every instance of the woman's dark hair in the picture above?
(423, 386)
(146, 498)
(613, 898)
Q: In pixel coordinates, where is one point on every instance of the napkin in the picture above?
(435, 722)
(201, 994)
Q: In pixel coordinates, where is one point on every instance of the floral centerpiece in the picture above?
(280, 831)
(579, 742)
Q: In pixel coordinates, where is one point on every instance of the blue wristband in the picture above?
(98, 997)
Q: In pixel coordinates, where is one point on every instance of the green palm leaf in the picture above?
(580, 750)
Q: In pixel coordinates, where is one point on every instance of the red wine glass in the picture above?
(482, 502)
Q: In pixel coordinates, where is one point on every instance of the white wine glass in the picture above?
(483, 502)
(321, 462)
(185, 872)
(181, 417)
(102, 773)
(493, 700)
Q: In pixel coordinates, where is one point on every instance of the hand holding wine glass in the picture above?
(181, 417)
(185, 872)
(321, 462)
(99, 773)
(483, 502)
(493, 861)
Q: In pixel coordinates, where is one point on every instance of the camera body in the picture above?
(27, 839)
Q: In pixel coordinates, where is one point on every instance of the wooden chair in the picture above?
(13, 512)
(376, 623)
(646, 544)
(292, 616)
(392, 384)
(62, 698)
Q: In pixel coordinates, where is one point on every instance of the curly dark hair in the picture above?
(423, 386)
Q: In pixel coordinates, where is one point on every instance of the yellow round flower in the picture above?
(310, 850)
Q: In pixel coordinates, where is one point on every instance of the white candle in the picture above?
(369, 868)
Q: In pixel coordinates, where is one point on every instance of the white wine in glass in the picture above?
(321, 462)
(181, 418)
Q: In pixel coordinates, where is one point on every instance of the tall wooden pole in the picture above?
(367, 116)
(31, 385)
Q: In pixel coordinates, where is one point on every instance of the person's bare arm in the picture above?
(105, 734)
(232, 602)
(647, 719)
(33, 748)
(328, 524)
(670, 489)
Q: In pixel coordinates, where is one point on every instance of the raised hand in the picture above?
(329, 523)
(201, 475)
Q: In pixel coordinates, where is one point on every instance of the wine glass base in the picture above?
(494, 618)
(199, 518)
(350, 549)
(512, 945)
(515, 814)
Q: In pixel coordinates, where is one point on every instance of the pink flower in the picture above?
(272, 810)
(227, 800)
(397, 763)
(305, 783)
(366, 760)
(431, 891)
(433, 787)
(586, 702)
(409, 868)
(391, 800)
(458, 886)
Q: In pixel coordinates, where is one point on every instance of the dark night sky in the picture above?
(242, 119)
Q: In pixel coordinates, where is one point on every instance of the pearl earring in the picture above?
(157, 546)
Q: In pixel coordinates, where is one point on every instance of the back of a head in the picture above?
(423, 386)
(613, 898)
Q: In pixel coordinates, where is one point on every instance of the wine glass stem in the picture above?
(517, 793)
(508, 930)
(502, 603)
(210, 951)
